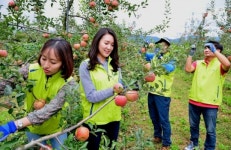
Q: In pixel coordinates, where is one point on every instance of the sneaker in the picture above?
(191, 147)
(157, 140)
(165, 148)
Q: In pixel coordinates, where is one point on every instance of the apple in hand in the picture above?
(118, 88)
(39, 103)
(82, 133)
(121, 100)
(132, 95)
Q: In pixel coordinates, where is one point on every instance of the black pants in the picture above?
(111, 131)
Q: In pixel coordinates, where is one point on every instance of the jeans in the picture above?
(111, 131)
(54, 143)
(159, 113)
(210, 117)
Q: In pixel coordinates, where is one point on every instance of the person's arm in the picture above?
(189, 67)
(92, 94)
(49, 109)
(225, 63)
(37, 116)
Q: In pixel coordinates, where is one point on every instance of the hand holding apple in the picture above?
(118, 88)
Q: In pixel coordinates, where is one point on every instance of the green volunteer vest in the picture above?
(207, 83)
(162, 83)
(101, 80)
(44, 89)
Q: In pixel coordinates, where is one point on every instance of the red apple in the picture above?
(92, 19)
(39, 103)
(46, 35)
(48, 147)
(16, 8)
(76, 46)
(107, 2)
(83, 43)
(143, 50)
(120, 100)
(11, 3)
(132, 95)
(147, 67)
(3, 53)
(114, 3)
(82, 133)
(150, 77)
(85, 37)
(92, 4)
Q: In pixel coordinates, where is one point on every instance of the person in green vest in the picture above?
(205, 94)
(99, 75)
(52, 76)
(159, 99)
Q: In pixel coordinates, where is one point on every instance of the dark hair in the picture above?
(217, 45)
(63, 50)
(94, 49)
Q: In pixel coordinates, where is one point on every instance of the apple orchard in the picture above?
(21, 39)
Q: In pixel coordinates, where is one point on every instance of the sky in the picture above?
(181, 12)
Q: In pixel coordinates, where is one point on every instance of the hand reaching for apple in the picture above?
(118, 88)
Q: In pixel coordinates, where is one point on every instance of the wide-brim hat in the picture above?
(166, 40)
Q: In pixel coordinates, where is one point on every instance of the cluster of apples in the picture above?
(121, 99)
(111, 4)
(83, 42)
(13, 5)
(150, 76)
